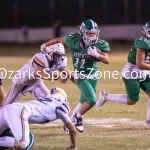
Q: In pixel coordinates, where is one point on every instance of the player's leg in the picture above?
(38, 89)
(76, 110)
(2, 92)
(6, 138)
(132, 89)
(13, 94)
(19, 126)
(145, 86)
(88, 89)
(87, 99)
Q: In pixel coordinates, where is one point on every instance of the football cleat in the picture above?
(66, 130)
(101, 99)
(79, 124)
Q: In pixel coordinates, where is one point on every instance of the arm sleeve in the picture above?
(63, 115)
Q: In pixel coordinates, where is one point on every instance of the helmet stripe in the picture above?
(92, 23)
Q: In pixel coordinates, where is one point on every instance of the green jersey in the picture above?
(82, 63)
(143, 43)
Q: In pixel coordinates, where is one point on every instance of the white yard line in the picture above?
(103, 122)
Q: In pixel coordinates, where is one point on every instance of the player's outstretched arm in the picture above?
(54, 41)
(73, 133)
(70, 74)
(104, 58)
(140, 56)
(51, 42)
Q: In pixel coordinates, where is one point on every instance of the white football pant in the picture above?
(16, 118)
(37, 89)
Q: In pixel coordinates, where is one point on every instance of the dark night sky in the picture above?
(43, 13)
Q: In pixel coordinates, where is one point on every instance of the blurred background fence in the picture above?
(118, 19)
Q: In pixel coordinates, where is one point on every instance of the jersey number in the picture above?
(77, 62)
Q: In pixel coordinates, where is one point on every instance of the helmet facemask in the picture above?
(55, 54)
(90, 32)
(89, 40)
(147, 32)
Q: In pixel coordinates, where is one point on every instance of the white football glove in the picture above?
(93, 52)
(43, 48)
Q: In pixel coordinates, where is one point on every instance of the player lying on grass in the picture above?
(134, 74)
(18, 116)
(29, 77)
(85, 49)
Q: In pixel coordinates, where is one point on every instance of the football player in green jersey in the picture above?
(135, 74)
(82, 45)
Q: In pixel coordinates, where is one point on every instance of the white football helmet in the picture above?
(55, 53)
(59, 91)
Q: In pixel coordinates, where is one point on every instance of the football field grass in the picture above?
(113, 127)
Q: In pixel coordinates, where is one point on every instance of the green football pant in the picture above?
(133, 87)
(87, 90)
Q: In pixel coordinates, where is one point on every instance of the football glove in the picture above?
(93, 52)
(43, 48)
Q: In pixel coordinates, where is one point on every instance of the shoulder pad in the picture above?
(74, 35)
(143, 43)
(40, 60)
(102, 45)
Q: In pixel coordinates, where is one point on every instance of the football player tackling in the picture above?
(40, 66)
(135, 74)
(82, 45)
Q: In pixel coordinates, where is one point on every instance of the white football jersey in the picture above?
(47, 109)
(27, 73)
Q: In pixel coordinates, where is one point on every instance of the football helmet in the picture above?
(89, 26)
(59, 91)
(55, 53)
(147, 29)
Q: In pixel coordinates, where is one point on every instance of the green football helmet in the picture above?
(89, 26)
(147, 29)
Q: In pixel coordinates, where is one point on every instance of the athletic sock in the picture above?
(75, 111)
(119, 98)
